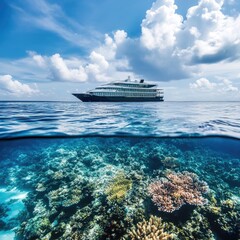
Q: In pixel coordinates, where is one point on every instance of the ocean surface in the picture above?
(73, 170)
(21, 119)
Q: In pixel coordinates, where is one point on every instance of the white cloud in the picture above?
(14, 87)
(111, 44)
(227, 86)
(161, 25)
(98, 65)
(120, 36)
(99, 60)
(171, 48)
(60, 69)
(37, 58)
(154, 55)
(61, 72)
(218, 39)
(101, 65)
(203, 84)
(222, 86)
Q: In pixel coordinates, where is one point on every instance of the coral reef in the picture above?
(177, 189)
(97, 188)
(152, 229)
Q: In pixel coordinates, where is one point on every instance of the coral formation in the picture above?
(65, 196)
(170, 162)
(152, 229)
(225, 217)
(177, 189)
(118, 188)
(196, 227)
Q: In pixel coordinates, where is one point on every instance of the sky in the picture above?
(52, 48)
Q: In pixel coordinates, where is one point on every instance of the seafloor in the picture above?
(120, 188)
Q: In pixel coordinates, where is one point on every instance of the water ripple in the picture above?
(25, 119)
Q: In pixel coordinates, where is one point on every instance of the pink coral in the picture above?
(177, 189)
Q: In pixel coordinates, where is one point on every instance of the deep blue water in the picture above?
(72, 170)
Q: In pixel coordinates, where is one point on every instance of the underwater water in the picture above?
(166, 172)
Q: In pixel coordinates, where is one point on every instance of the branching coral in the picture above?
(177, 189)
(150, 230)
(119, 187)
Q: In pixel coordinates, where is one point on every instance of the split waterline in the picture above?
(72, 170)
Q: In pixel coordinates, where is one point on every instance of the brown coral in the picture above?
(177, 189)
(153, 229)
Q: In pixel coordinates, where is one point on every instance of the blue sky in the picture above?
(50, 48)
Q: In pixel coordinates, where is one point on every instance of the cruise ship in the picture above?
(123, 91)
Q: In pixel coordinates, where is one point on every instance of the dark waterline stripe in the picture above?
(118, 136)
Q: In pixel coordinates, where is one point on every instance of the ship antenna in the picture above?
(129, 78)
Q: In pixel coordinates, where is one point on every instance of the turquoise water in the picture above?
(119, 171)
